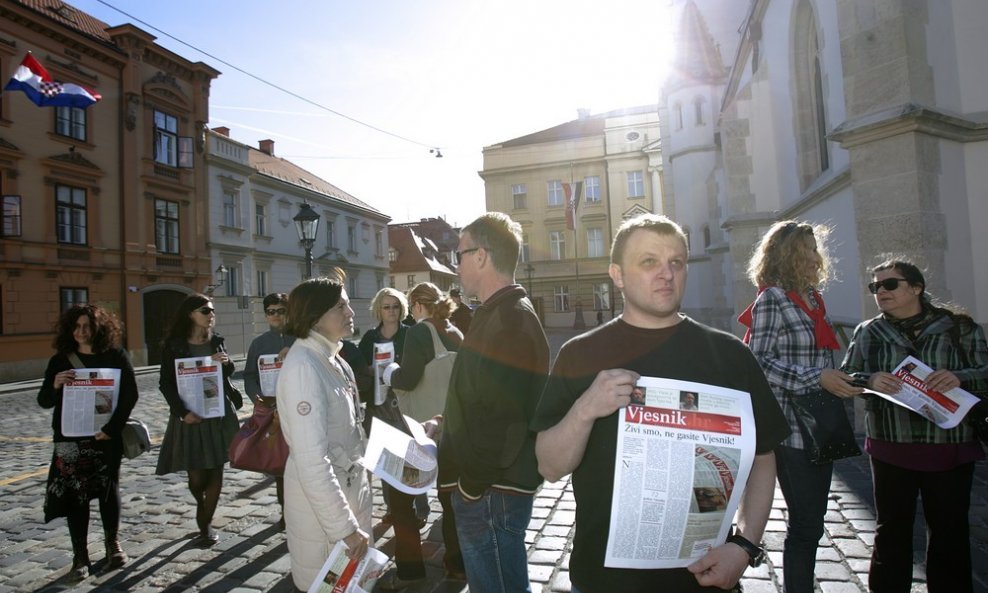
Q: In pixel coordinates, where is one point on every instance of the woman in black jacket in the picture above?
(194, 444)
(87, 467)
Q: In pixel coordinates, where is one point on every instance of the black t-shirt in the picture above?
(687, 351)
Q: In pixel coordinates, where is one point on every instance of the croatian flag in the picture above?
(572, 195)
(32, 78)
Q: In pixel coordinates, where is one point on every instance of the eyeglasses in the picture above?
(391, 307)
(460, 254)
(278, 311)
(888, 284)
(206, 310)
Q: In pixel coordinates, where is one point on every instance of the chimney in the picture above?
(266, 146)
(222, 131)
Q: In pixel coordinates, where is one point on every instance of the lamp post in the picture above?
(529, 270)
(307, 225)
(220, 276)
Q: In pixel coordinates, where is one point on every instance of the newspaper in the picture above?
(268, 367)
(384, 354)
(946, 410)
(684, 453)
(88, 401)
(408, 464)
(340, 574)
(200, 385)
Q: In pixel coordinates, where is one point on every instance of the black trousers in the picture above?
(946, 497)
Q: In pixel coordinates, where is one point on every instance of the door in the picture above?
(159, 307)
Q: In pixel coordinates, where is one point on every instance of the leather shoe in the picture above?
(207, 538)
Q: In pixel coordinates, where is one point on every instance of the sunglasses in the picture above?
(279, 311)
(205, 310)
(888, 284)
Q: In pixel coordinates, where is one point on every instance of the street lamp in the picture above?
(220, 276)
(307, 225)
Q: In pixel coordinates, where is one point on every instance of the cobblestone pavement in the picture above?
(158, 523)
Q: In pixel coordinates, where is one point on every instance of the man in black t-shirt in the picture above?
(592, 380)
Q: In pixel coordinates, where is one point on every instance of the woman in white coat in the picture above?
(327, 495)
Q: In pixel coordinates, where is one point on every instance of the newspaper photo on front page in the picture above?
(268, 367)
(684, 453)
(946, 409)
(200, 385)
(340, 574)
(406, 462)
(88, 401)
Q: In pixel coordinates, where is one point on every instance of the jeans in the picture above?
(806, 488)
(946, 498)
(492, 541)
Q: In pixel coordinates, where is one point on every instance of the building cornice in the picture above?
(908, 118)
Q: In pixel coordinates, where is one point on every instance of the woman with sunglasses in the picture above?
(193, 444)
(793, 340)
(909, 454)
(273, 341)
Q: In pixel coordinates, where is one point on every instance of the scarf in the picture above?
(824, 334)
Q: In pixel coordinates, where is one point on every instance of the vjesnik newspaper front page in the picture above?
(946, 410)
(407, 463)
(340, 574)
(88, 401)
(268, 367)
(200, 385)
(684, 453)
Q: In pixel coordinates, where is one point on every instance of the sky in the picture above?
(457, 75)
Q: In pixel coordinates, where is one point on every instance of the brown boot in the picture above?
(115, 555)
(80, 566)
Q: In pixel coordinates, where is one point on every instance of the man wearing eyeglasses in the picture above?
(273, 341)
(487, 464)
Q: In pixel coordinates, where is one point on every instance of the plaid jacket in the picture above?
(877, 346)
(784, 342)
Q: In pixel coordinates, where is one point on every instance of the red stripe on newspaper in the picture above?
(684, 420)
(344, 581)
(947, 403)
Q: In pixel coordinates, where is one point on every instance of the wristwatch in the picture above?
(756, 553)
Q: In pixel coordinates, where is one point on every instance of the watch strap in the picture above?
(755, 553)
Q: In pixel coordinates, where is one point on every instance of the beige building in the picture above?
(617, 159)
(105, 205)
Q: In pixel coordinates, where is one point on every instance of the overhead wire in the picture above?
(277, 87)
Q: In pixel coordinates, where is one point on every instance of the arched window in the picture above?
(810, 111)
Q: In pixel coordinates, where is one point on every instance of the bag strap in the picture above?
(437, 344)
(75, 360)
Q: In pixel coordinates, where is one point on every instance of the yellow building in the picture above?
(105, 205)
(616, 158)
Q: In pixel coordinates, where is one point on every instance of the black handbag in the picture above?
(826, 429)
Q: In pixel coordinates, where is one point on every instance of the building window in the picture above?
(170, 148)
(410, 280)
(595, 242)
(262, 283)
(70, 297)
(591, 186)
(232, 281)
(677, 116)
(706, 236)
(560, 298)
(557, 245)
(166, 226)
(554, 190)
(71, 122)
(11, 216)
(351, 238)
(70, 204)
(391, 281)
(352, 291)
(230, 199)
(378, 242)
(698, 111)
(519, 195)
(636, 184)
(602, 296)
(260, 219)
(525, 256)
(392, 255)
(330, 233)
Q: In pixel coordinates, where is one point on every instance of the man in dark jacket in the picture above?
(462, 315)
(487, 452)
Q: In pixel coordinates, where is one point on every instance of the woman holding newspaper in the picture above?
(203, 404)
(431, 310)
(909, 454)
(791, 336)
(88, 466)
(327, 492)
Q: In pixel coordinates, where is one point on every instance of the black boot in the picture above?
(80, 561)
(115, 555)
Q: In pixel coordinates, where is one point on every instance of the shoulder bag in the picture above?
(259, 445)
(429, 396)
(825, 427)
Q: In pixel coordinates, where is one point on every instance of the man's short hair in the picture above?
(454, 292)
(500, 237)
(657, 223)
(275, 298)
